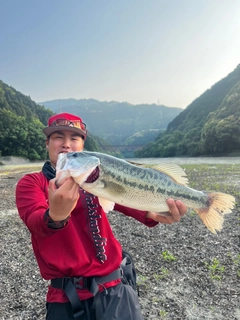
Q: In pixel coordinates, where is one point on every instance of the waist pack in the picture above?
(129, 271)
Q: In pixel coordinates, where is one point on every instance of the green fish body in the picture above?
(141, 187)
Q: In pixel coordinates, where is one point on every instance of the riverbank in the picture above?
(184, 271)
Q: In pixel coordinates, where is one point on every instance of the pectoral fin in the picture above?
(106, 204)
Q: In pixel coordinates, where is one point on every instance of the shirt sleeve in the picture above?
(32, 204)
(136, 214)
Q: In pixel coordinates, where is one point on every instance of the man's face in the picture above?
(63, 142)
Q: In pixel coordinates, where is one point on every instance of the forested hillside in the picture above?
(208, 126)
(21, 124)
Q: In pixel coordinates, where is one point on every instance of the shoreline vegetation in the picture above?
(183, 271)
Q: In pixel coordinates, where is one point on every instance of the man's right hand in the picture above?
(62, 200)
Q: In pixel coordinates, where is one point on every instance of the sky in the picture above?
(139, 51)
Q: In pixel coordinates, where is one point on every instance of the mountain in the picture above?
(21, 124)
(120, 123)
(22, 121)
(208, 126)
(21, 105)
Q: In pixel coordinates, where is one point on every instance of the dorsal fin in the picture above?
(172, 170)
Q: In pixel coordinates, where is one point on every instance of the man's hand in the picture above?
(62, 200)
(176, 210)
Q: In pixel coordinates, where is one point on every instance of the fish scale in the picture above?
(156, 194)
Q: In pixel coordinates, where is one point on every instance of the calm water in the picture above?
(199, 160)
(9, 165)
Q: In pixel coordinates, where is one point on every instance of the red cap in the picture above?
(65, 121)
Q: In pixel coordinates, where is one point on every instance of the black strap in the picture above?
(71, 293)
(116, 274)
(69, 286)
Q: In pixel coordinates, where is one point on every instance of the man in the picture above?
(72, 239)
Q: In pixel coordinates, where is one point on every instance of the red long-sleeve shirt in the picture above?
(86, 246)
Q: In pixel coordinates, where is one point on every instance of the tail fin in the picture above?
(213, 217)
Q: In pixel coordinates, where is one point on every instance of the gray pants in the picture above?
(118, 303)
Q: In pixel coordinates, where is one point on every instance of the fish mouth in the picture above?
(93, 176)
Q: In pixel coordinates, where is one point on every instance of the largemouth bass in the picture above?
(141, 187)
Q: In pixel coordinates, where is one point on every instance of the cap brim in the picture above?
(49, 130)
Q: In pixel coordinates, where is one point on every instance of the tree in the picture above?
(21, 136)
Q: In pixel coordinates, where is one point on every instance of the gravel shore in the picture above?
(184, 271)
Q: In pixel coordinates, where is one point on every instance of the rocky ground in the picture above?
(184, 271)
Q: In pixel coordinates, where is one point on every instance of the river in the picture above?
(13, 162)
(188, 160)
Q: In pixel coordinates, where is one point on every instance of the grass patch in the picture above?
(219, 177)
(167, 256)
(141, 279)
(163, 313)
(216, 269)
(163, 274)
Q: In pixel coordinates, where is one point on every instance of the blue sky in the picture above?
(140, 51)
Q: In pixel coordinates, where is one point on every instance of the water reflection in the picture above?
(188, 160)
